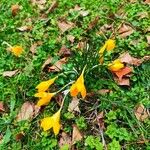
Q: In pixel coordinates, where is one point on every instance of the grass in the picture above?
(122, 127)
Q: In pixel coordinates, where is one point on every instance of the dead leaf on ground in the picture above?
(65, 139)
(141, 112)
(81, 45)
(39, 3)
(142, 15)
(93, 23)
(127, 58)
(105, 28)
(100, 120)
(19, 136)
(53, 6)
(47, 62)
(15, 9)
(74, 105)
(64, 51)
(25, 28)
(103, 91)
(123, 81)
(147, 1)
(125, 30)
(2, 108)
(34, 46)
(148, 39)
(65, 26)
(76, 135)
(28, 111)
(10, 73)
(121, 73)
(70, 38)
(58, 65)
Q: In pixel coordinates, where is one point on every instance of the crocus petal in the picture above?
(41, 94)
(47, 123)
(43, 86)
(17, 50)
(74, 90)
(102, 49)
(110, 44)
(83, 92)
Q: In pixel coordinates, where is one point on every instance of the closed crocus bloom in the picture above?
(16, 50)
(78, 86)
(45, 98)
(52, 122)
(116, 65)
(43, 86)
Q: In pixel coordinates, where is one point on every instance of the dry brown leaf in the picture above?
(123, 81)
(103, 91)
(64, 51)
(2, 109)
(140, 112)
(64, 26)
(53, 6)
(15, 9)
(19, 136)
(70, 38)
(34, 46)
(148, 39)
(100, 120)
(76, 135)
(47, 62)
(25, 28)
(147, 1)
(74, 105)
(65, 139)
(93, 23)
(127, 58)
(125, 30)
(39, 3)
(10, 73)
(28, 111)
(58, 65)
(142, 15)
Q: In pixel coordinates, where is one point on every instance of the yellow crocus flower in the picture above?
(43, 86)
(52, 122)
(78, 86)
(16, 50)
(116, 65)
(45, 98)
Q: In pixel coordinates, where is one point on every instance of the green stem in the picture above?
(4, 42)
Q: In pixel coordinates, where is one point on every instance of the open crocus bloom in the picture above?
(116, 65)
(52, 122)
(45, 98)
(16, 50)
(78, 86)
(108, 46)
(43, 86)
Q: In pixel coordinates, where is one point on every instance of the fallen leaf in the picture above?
(100, 120)
(2, 109)
(125, 30)
(15, 9)
(141, 112)
(123, 81)
(34, 46)
(81, 45)
(39, 3)
(142, 15)
(123, 72)
(64, 51)
(147, 1)
(58, 65)
(65, 139)
(53, 6)
(103, 91)
(74, 105)
(70, 38)
(19, 136)
(47, 62)
(10, 73)
(64, 26)
(25, 28)
(127, 58)
(28, 111)
(148, 39)
(93, 23)
(76, 135)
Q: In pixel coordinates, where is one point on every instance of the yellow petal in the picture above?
(43, 86)
(41, 94)
(101, 60)
(83, 91)
(102, 49)
(73, 90)
(56, 122)
(47, 123)
(45, 100)
(116, 65)
(17, 50)
(110, 44)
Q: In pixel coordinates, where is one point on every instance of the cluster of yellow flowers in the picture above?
(76, 88)
(45, 97)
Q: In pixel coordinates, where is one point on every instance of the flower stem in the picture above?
(4, 42)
